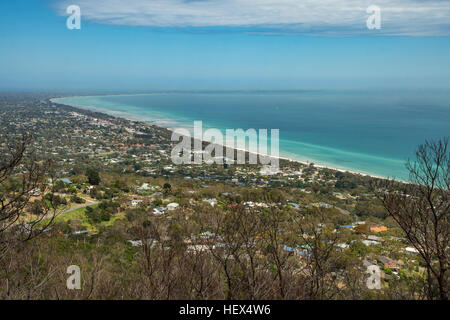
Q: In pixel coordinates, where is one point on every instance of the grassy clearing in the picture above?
(80, 215)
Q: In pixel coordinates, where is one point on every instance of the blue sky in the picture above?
(228, 44)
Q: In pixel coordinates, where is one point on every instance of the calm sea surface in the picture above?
(366, 131)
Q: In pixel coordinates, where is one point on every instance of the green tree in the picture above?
(93, 177)
(76, 199)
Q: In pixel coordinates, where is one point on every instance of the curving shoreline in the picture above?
(163, 122)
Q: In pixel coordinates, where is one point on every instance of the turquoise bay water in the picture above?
(372, 132)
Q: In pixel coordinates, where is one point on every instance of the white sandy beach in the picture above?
(169, 125)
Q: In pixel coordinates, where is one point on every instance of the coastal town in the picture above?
(118, 192)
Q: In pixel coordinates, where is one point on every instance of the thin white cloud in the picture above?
(312, 17)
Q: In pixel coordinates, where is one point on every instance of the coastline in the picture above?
(110, 95)
(159, 124)
(303, 162)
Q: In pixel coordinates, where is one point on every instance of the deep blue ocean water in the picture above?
(372, 132)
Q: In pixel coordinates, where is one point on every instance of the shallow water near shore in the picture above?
(372, 132)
